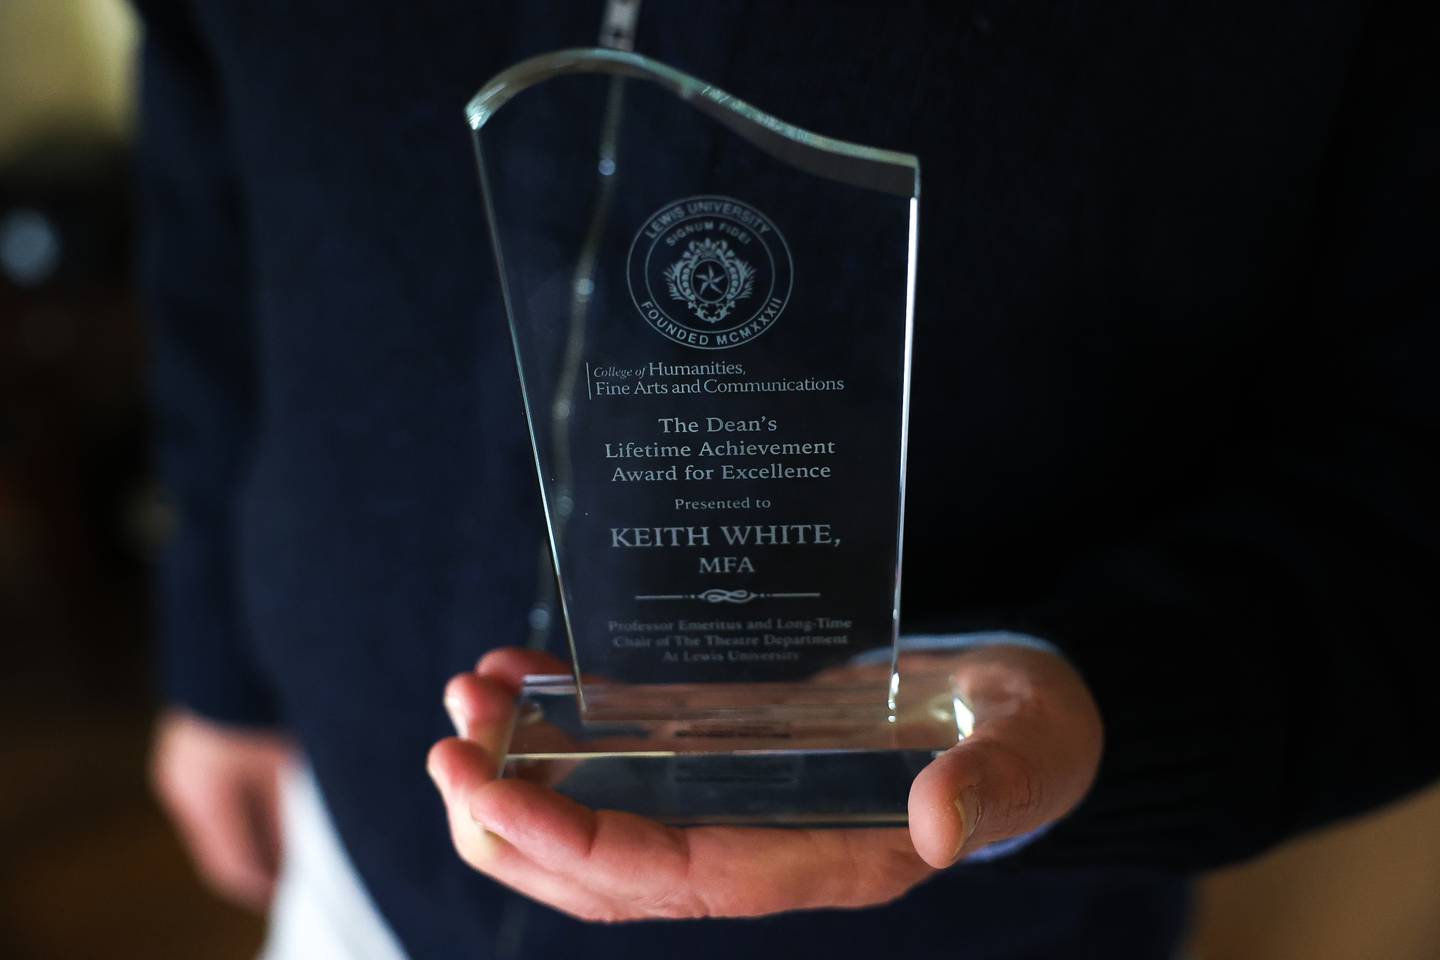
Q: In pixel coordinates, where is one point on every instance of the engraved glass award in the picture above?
(712, 317)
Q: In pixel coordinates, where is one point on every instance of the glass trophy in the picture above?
(712, 319)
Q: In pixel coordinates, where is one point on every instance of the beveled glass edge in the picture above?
(873, 168)
(912, 256)
(507, 300)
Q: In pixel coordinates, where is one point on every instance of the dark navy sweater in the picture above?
(1174, 410)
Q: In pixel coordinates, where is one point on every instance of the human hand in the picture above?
(1033, 755)
(220, 786)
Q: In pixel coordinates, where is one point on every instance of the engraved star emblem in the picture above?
(710, 280)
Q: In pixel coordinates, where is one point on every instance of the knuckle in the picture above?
(874, 878)
(670, 905)
(851, 883)
(898, 873)
(1023, 793)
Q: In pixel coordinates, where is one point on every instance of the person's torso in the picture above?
(1114, 217)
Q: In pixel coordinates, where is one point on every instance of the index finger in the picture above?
(697, 871)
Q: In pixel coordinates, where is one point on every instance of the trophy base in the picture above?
(792, 754)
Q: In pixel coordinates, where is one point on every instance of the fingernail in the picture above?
(457, 717)
(485, 840)
(485, 843)
(435, 776)
(968, 803)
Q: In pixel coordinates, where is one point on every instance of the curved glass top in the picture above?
(870, 167)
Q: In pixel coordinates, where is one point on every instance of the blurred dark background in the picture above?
(88, 866)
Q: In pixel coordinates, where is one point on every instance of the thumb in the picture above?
(1032, 757)
(975, 793)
